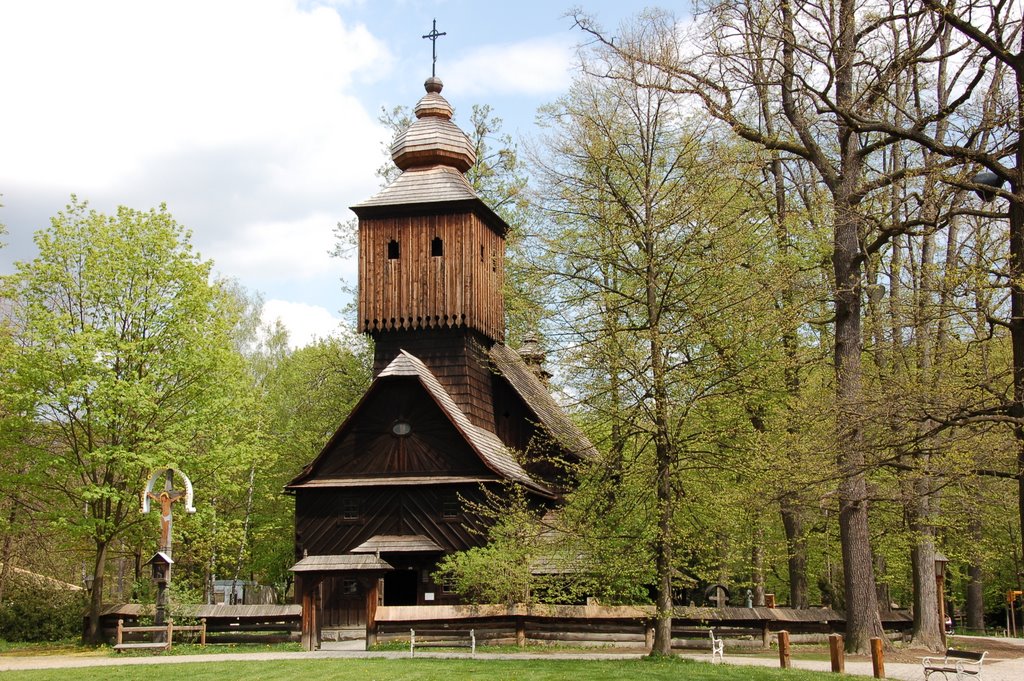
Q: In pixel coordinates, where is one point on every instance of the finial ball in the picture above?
(433, 84)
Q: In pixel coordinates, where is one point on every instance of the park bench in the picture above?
(454, 640)
(167, 631)
(964, 664)
(717, 646)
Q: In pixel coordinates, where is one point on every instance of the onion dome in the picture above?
(433, 139)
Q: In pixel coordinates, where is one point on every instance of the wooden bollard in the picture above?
(838, 655)
(877, 658)
(784, 660)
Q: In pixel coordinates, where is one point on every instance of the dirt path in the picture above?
(1004, 663)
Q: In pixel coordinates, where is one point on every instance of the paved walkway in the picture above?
(994, 670)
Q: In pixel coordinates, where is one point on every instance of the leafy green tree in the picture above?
(649, 247)
(306, 394)
(125, 357)
(501, 571)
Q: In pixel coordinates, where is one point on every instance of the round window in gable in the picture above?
(401, 428)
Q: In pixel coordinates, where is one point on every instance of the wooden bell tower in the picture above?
(431, 260)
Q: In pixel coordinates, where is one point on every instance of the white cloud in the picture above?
(96, 90)
(241, 115)
(533, 67)
(305, 323)
(295, 250)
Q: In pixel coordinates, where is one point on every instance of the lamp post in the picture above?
(940, 593)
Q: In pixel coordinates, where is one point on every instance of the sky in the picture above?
(254, 121)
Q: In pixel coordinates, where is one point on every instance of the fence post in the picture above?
(877, 658)
(521, 632)
(784, 660)
(120, 630)
(838, 655)
(649, 635)
(202, 632)
(170, 631)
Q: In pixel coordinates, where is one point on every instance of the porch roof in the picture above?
(395, 543)
(341, 563)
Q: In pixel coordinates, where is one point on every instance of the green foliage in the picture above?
(125, 362)
(500, 571)
(34, 609)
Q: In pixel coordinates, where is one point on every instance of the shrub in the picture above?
(36, 610)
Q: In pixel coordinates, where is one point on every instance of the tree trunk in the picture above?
(927, 631)
(862, 619)
(975, 581)
(796, 548)
(93, 631)
(663, 463)
(757, 564)
(1015, 275)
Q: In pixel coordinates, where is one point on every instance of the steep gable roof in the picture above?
(510, 366)
(485, 444)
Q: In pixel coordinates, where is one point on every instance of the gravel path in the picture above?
(1003, 668)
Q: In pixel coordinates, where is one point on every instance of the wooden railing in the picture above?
(164, 632)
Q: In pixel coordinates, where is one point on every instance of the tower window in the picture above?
(392, 250)
(436, 247)
(481, 254)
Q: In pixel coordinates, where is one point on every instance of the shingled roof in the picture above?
(430, 184)
(398, 543)
(510, 366)
(486, 444)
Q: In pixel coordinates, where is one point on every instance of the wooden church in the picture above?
(451, 410)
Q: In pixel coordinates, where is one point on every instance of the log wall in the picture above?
(417, 290)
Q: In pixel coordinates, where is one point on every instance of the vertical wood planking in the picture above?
(418, 290)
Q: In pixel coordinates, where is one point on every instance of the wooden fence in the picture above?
(224, 623)
(610, 625)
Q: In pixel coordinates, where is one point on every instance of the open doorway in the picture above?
(400, 587)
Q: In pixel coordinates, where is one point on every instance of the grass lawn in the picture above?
(427, 670)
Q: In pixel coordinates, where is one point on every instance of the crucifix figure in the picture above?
(433, 36)
(162, 560)
(166, 497)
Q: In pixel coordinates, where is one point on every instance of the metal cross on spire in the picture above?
(433, 36)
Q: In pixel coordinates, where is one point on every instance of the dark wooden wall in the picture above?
(321, 529)
(369, 448)
(417, 290)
